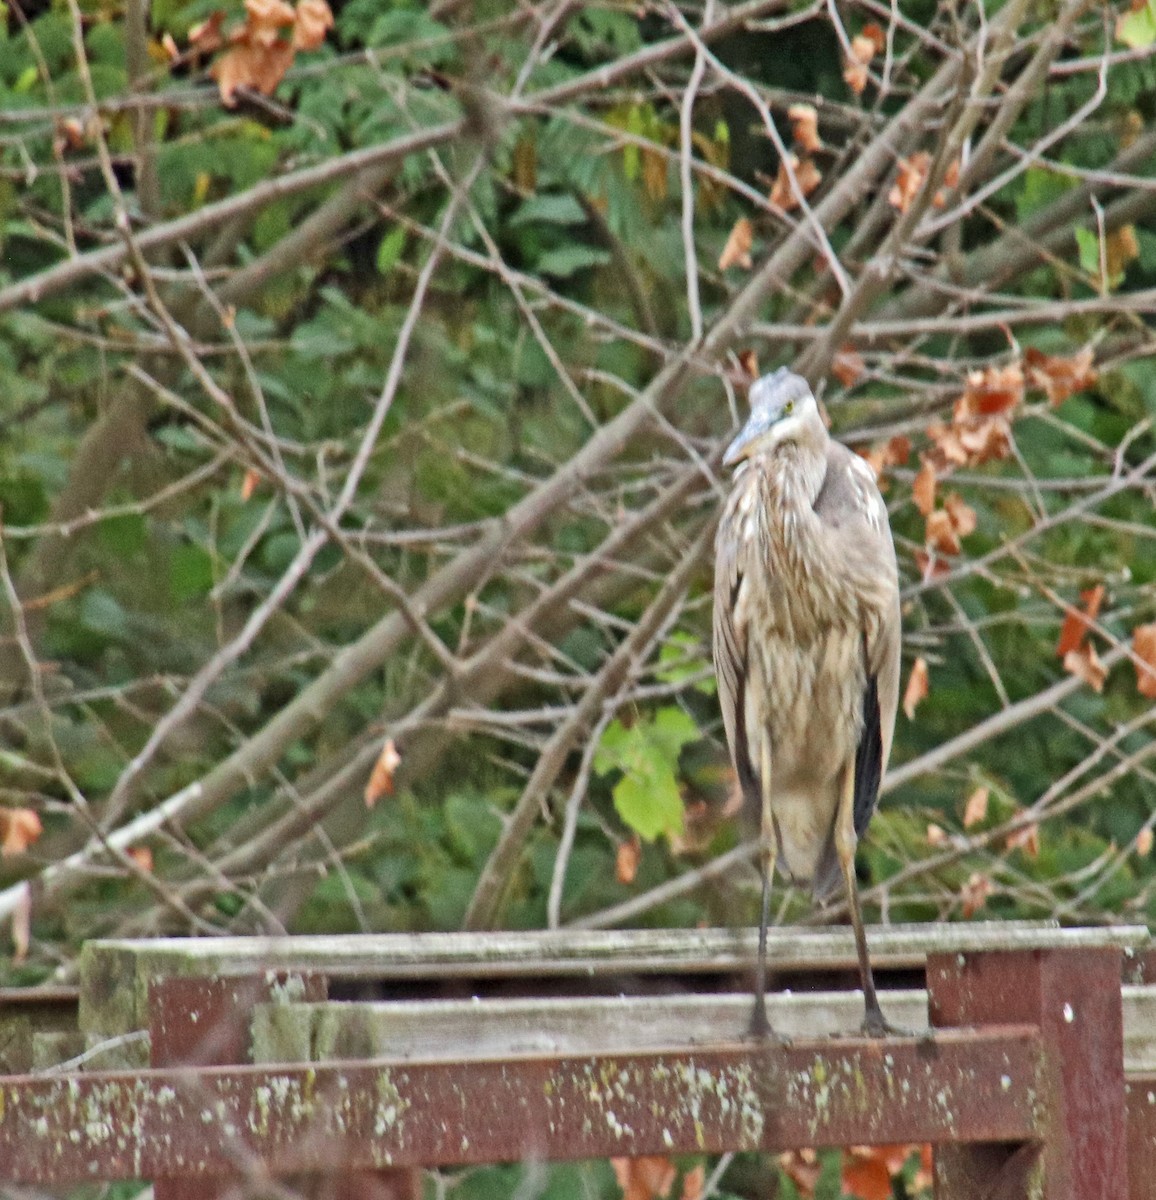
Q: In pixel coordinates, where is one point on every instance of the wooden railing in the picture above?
(202, 1064)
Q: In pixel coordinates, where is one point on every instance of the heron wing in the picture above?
(730, 656)
(852, 508)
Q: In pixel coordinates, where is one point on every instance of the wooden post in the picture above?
(1073, 996)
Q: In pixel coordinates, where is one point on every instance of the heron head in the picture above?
(783, 409)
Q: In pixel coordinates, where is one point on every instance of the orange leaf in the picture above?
(1144, 843)
(975, 810)
(257, 65)
(866, 1178)
(855, 75)
(693, 1182)
(142, 856)
(805, 127)
(950, 179)
(875, 35)
(1027, 839)
(847, 366)
(911, 177)
(931, 566)
(206, 35)
(749, 361)
(1085, 664)
(802, 1168)
(898, 451)
(1076, 623)
(991, 390)
(974, 893)
(644, 1178)
(738, 247)
(19, 828)
(923, 489)
(381, 777)
(918, 687)
(1058, 376)
(314, 20)
(939, 533)
(627, 859)
(265, 18)
(786, 195)
(962, 514)
(1144, 647)
(250, 483)
(936, 835)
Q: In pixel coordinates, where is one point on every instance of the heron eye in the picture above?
(788, 408)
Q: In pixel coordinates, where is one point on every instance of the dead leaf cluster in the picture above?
(19, 828)
(1060, 377)
(975, 893)
(651, 1177)
(787, 195)
(381, 777)
(737, 251)
(261, 50)
(1079, 656)
(864, 47)
(918, 687)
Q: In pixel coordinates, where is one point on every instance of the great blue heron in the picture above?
(806, 648)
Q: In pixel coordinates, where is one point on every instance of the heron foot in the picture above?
(876, 1025)
(761, 1029)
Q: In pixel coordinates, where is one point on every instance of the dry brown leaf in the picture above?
(961, 513)
(783, 193)
(910, 178)
(950, 179)
(381, 777)
(1085, 664)
(847, 366)
(936, 835)
(737, 251)
(749, 361)
(802, 1168)
(314, 20)
(1144, 842)
(931, 566)
(939, 533)
(250, 483)
(19, 828)
(984, 439)
(1144, 647)
(206, 36)
(873, 32)
(644, 1178)
(1026, 838)
(991, 390)
(1120, 248)
(627, 859)
(974, 893)
(255, 65)
(693, 1182)
(855, 76)
(975, 810)
(266, 18)
(918, 687)
(142, 856)
(898, 451)
(1077, 623)
(924, 1178)
(1060, 377)
(923, 489)
(22, 922)
(805, 127)
(866, 1176)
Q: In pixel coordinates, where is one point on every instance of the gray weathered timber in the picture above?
(115, 975)
(491, 1028)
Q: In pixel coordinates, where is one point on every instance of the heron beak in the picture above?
(744, 444)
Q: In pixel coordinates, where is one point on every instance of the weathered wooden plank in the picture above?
(959, 1086)
(430, 1029)
(115, 974)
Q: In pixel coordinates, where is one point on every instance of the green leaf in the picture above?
(647, 796)
(1138, 29)
(551, 209)
(390, 249)
(1089, 246)
(569, 260)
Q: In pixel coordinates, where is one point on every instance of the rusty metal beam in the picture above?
(960, 1086)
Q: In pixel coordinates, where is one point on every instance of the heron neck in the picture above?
(795, 473)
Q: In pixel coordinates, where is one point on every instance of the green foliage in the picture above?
(646, 753)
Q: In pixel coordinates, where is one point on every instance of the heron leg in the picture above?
(768, 853)
(874, 1023)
